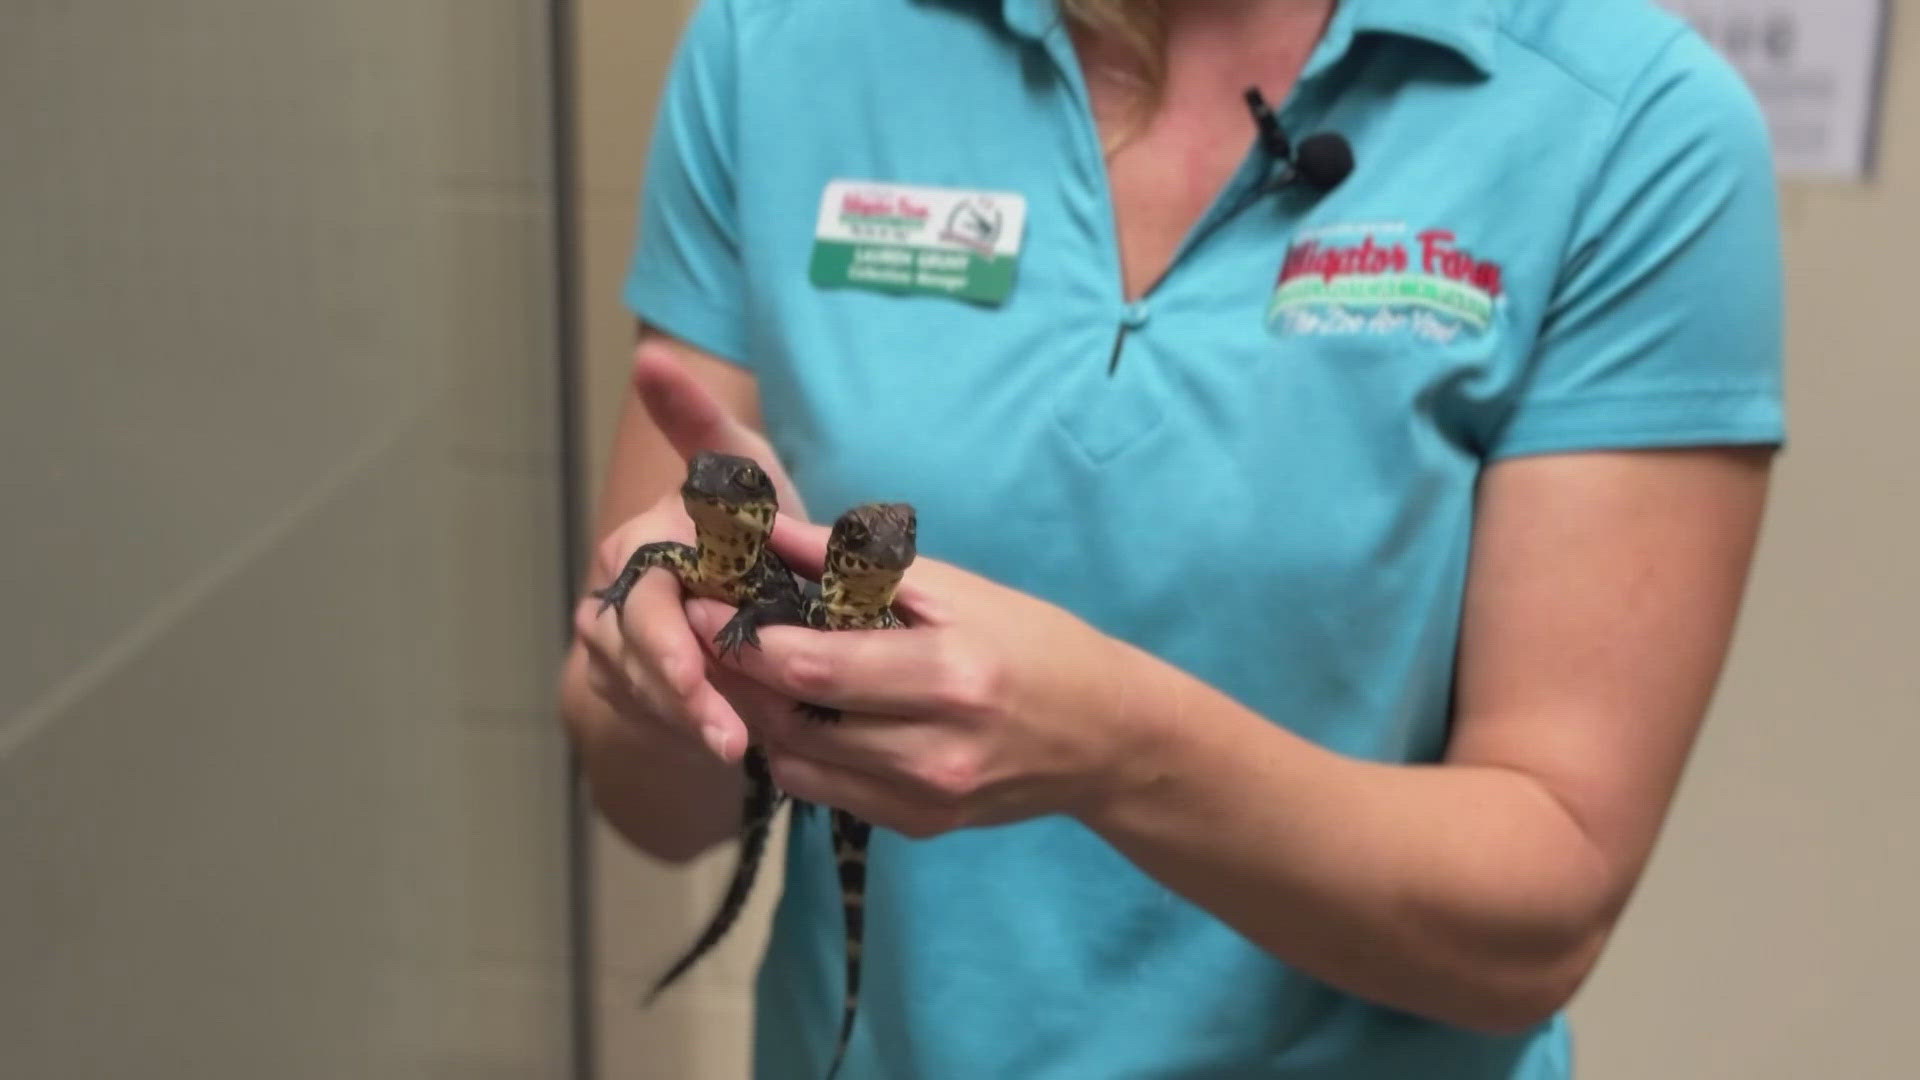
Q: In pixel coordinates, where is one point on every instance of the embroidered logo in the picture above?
(1384, 278)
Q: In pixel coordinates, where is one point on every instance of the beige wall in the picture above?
(280, 792)
(1774, 937)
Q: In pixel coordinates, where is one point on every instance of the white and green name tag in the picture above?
(937, 241)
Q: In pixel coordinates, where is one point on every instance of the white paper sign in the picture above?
(1814, 65)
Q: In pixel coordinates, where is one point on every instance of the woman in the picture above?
(1325, 570)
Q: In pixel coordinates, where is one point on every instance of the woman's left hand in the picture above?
(992, 706)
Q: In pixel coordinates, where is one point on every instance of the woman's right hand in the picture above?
(657, 740)
(643, 660)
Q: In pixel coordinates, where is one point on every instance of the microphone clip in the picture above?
(1272, 138)
(1322, 161)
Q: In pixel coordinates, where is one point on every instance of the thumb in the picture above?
(693, 420)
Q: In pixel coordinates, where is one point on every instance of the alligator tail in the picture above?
(756, 823)
(850, 836)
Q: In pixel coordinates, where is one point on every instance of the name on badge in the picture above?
(918, 240)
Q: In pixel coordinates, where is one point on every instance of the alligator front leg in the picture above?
(678, 557)
(743, 629)
(770, 599)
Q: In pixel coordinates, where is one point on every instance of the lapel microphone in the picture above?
(1322, 161)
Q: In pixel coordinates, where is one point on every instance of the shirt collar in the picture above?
(1467, 28)
(1470, 29)
(1030, 18)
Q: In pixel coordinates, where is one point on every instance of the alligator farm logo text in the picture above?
(883, 216)
(1384, 279)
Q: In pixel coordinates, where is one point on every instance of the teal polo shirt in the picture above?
(1560, 235)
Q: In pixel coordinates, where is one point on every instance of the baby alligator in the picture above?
(732, 503)
(869, 550)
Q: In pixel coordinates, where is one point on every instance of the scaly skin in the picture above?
(869, 550)
(732, 503)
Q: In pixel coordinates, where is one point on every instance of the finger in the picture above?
(719, 724)
(884, 746)
(898, 747)
(776, 721)
(613, 677)
(800, 544)
(608, 682)
(656, 632)
(664, 520)
(693, 419)
(867, 797)
(929, 586)
(604, 646)
(888, 672)
(666, 667)
(687, 413)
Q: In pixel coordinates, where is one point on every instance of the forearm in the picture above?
(1466, 894)
(668, 797)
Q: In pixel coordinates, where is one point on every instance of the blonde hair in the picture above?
(1131, 35)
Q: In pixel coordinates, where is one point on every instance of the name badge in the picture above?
(918, 240)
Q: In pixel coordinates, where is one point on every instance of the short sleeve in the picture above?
(1665, 328)
(686, 273)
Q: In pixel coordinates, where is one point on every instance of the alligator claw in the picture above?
(739, 631)
(613, 596)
